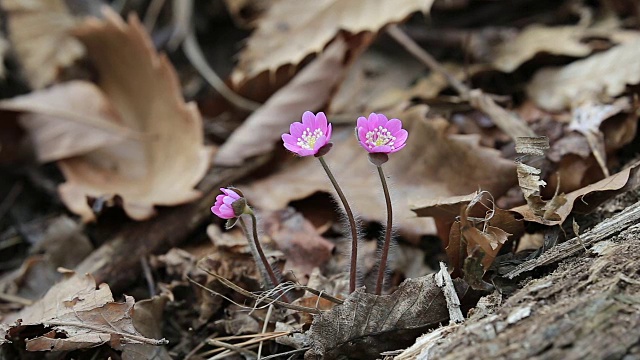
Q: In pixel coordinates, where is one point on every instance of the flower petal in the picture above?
(293, 148)
(329, 133)
(401, 137)
(320, 142)
(382, 149)
(362, 123)
(398, 148)
(289, 139)
(230, 192)
(321, 122)
(393, 126)
(362, 135)
(305, 152)
(308, 120)
(296, 129)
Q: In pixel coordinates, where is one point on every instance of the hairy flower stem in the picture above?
(352, 224)
(387, 233)
(266, 266)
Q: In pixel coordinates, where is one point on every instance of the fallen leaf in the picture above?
(310, 89)
(163, 165)
(424, 169)
(600, 74)
(587, 198)
(80, 315)
(535, 39)
(68, 119)
(296, 237)
(368, 324)
(147, 319)
(40, 32)
(587, 119)
(290, 30)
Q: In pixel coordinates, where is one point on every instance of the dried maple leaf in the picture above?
(163, 164)
(368, 324)
(433, 164)
(309, 89)
(607, 73)
(290, 29)
(39, 31)
(68, 119)
(81, 316)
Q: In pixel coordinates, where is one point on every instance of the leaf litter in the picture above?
(109, 109)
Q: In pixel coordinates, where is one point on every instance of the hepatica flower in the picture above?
(223, 207)
(309, 136)
(377, 134)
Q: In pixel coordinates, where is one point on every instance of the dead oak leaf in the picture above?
(607, 73)
(291, 29)
(433, 164)
(309, 89)
(68, 119)
(368, 324)
(39, 31)
(163, 165)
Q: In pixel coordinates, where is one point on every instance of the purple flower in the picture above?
(379, 135)
(309, 136)
(223, 207)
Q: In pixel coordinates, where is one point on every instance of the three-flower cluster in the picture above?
(376, 134)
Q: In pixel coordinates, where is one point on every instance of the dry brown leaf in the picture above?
(588, 198)
(147, 319)
(296, 237)
(162, 166)
(290, 30)
(430, 166)
(39, 31)
(606, 73)
(310, 89)
(587, 119)
(68, 119)
(368, 324)
(535, 39)
(81, 316)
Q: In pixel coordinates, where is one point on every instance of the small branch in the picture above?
(443, 280)
(242, 351)
(140, 339)
(262, 299)
(387, 233)
(196, 57)
(609, 227)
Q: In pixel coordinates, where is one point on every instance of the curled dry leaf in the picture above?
(582, 80)
(68, 119)
(430, 166)
(310, 89)
(80, 315)
(290, 30)
(367, 324)
(587, 198)
(163, 164)
(39, 31)
(587, 119)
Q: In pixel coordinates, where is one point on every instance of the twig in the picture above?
(15, 299)
(321, 294)
(264, 329)
(266, 300)
(139, 339)
(194, 54)
(506, 121)
(443, 280)
(150, 18)
(292, 352)
(605, 229)
(238, 349)
(146, 269)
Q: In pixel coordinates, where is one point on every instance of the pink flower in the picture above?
(223, 207)
(309, 136)
(379, 135)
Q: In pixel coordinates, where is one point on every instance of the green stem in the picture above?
(352, 224)
(267, 266)
(387, 233)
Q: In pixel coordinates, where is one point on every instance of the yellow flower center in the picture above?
(308, 139)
